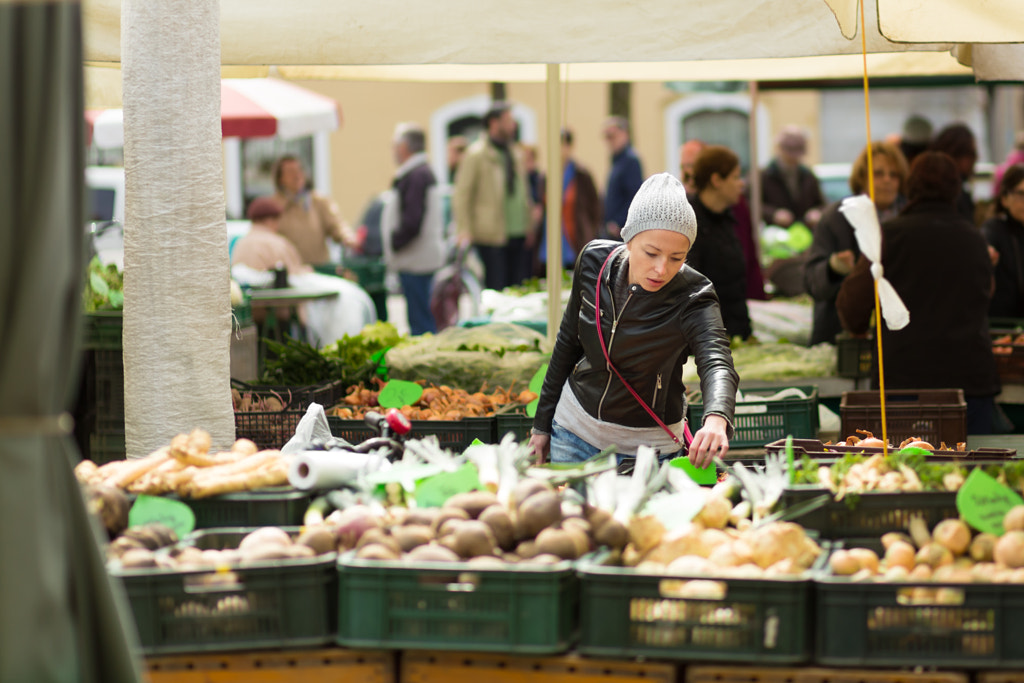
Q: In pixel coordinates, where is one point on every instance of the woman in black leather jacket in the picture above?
(654, 313)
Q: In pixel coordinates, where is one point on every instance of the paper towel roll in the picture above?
(327, 469)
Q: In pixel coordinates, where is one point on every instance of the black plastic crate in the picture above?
(279, 506)
(268, 430)
(525, 609)
(108, 390)
(326, 394)
(624, 613)
(455, 435)
(519, 423)
(934, 415)
(103, 330)
(964, 625)
(108, 447)
(855, 357)
(269, 604)
(757, 423)
(871, 514)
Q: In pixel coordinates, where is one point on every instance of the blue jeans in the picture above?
(567, 447)
(416, 289)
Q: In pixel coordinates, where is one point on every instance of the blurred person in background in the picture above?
(457, 145)
(1004, 232)
(308, 219)
(688, 153)
(939, 264)
(834, 251)
(718, 254)
(536, 181)
(1015, 156)
(491, 204)
(413, 225)
(916, 136)
(959, 143)
(581, 206)
(790, 192)
(624, 178)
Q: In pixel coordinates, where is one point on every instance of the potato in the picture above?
(525, 488)
(473, 502)
(137, 558)
(538, 512)
(431, 552)
(376, 551)
(444, 514)
(579, 537)
(557, 542)
(473, 538)
(424, 516)
(300, 550)
(379, 536)
(485, 561)
(527, 549)
(545, 559)
(611, 533)
(596, 516)
(268, 534)
(410, 536)
(498, 518)
(262, 552)
(318, 538)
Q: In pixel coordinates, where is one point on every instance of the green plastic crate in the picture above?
(519, 424)
(279, 506)
(968, 625)
(270, 604)
(455, 435)
(873, 513)
(103, 330)
(531, 609)
(757, 423)
(628, 614)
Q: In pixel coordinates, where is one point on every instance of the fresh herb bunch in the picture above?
(104, 287)
(352, 359)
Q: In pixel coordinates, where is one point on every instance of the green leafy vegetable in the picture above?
(103, 287)
(352, 359)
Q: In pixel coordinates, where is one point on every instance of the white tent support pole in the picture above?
(755, 169)
(233, 177)
(554, 200)
(322, 163)
(177, 308)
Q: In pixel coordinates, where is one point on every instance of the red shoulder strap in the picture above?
(608, 360)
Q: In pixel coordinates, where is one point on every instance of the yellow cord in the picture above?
(871, 194)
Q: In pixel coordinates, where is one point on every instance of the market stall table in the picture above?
(275, 299)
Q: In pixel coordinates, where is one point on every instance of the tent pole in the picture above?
(755, 171)
(554, 200)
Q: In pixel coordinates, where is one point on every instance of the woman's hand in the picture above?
(709, 441)
(540, 445)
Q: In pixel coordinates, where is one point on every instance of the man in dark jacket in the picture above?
(625, 177)
(790, 192)
(414, 226)
(938, 263)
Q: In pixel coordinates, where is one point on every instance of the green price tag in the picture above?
(398, 393)
(538, 379)
(476, 442)
(983, 502)
(432, 492)
(706, 476)
(172, 513)
(531, 407)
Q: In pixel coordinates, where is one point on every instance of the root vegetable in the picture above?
(351, 523)
(411, 536)
(953, 534)
(473, 538)
(1009, 549)
(900, 554)
(267, 535)
(893, 536)
(137, 468)
(983, 547)
(1013, 520)
(274, 474)
(473, 502)
(612, 534)
(715, 513)
(444, 515)
(538, 512)
(431, 552)
(557, 542)
(866, 558)
(376, 551)
(318, 538)
(498, 518)
(934, 555)
(525, 488)
(843, 564)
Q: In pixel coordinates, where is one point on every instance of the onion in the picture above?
(953, 534)
(351, 523)
(1014, 519)
(1009, 550)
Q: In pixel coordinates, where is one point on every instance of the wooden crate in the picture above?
(309, 666)
(454, 667)
(759, 674)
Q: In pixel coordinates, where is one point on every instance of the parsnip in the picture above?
(136, 468)
(273, 474)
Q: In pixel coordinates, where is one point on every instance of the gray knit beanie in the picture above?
(660, 204)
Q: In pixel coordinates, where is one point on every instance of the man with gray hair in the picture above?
(413, 226)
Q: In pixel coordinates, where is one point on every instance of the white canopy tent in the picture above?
(601, 39)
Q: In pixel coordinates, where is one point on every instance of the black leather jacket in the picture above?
(649, 336)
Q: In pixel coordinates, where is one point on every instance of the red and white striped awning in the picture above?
(249, 108)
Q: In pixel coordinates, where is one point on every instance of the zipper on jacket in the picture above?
(656, 388)
(611, 340)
